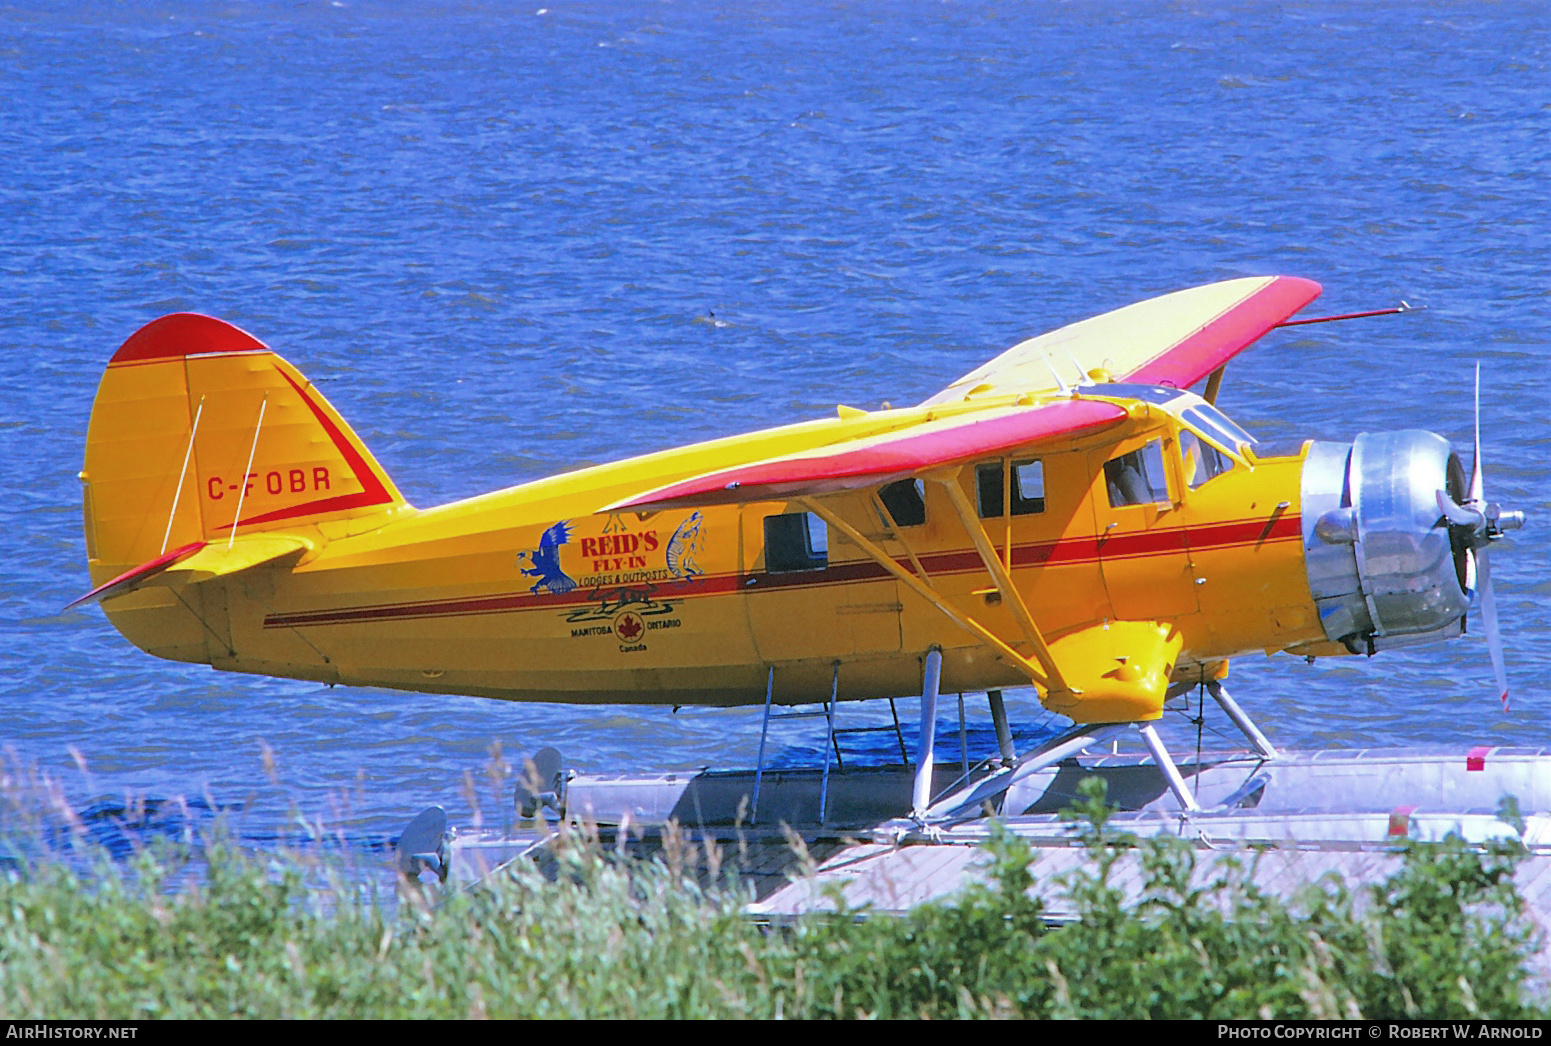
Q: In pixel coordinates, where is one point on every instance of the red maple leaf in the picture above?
(628, 627)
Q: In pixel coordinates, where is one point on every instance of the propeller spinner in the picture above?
(1473, 526)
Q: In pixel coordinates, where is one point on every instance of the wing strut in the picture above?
(1214, 385)
(1034, 671)
(893, 533)
(999, 575)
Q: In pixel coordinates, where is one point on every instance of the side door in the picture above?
(1143, 546)
(1034, 510)
(810, 592)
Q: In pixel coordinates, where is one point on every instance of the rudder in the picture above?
(195, 421)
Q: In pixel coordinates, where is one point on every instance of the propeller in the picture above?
(1473, 526)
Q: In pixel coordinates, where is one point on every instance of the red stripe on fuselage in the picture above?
(1172, 541)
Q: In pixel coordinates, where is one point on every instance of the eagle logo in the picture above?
(546, 561)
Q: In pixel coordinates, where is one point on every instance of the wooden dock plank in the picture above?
(894, 880)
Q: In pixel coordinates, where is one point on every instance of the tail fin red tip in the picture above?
(184, 334)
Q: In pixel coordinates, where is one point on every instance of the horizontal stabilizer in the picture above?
(199, 561)
(1176, 339)
(879, 459)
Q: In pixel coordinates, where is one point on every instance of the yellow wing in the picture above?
(1176, 339)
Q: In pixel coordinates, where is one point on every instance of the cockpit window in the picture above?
(1138, 477)
(1217, 425)
(1202, 460)
(1210, 421)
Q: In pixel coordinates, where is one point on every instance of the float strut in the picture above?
(1242, 721)
(921, 794)
(899, 735)
(971, 796)
(829, 740)
(1165, 763)
(1003, 731)
(764, 732)
(963, 739)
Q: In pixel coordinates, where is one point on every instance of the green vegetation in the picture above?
(1444, 937)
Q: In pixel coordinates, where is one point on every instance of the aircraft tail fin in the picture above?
(200, 433)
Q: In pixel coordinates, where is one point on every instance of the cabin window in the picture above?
(905, 501)
(1138, 477)
(795, 541)
(1028, 488)
(1202, 460)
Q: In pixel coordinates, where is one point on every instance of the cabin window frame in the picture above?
(892, 514)
(1150, 453)
(1008, 497)
(798, 546)
(1211, 460)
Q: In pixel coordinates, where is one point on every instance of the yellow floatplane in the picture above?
(1068, 516)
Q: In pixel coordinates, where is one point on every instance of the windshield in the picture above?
(1207, 419)
(1216, 426)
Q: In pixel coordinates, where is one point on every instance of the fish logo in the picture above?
(684, 546)
(546, 561)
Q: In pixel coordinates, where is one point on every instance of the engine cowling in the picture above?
(1381, 562)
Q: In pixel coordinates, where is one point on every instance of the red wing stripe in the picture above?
(881, 459)
(1192, 359)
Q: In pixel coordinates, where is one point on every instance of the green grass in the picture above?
(1444, 937)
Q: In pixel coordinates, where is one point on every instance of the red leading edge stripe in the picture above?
(858, 466)
(1192, 359)
(141, 573)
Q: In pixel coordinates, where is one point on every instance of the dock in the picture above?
(1288, 821)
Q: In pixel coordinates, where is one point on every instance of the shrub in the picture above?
(595, 935)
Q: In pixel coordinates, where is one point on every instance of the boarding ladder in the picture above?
(832, 736)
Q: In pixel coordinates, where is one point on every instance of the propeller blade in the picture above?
(1494, 638)
(1458, 514)
(1477, 494)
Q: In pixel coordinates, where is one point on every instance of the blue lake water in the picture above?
(493, 234)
